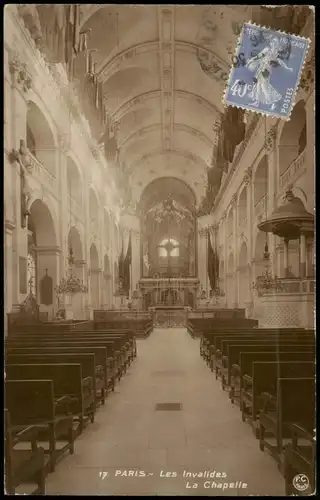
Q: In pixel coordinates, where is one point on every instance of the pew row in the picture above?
(33, 402)
(23, 466)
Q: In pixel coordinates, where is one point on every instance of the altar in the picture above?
(168, 292)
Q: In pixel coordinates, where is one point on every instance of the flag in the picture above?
(121, 266)
(213, 266)
(126, 267)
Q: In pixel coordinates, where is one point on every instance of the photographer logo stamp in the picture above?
(266, 70)
(300, 482)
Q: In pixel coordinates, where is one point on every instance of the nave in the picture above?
(128, 434)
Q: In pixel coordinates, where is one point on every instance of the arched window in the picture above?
(168, 247)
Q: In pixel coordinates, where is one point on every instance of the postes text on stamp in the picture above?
(266, 71)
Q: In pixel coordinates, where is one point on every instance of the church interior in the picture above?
(159, 256)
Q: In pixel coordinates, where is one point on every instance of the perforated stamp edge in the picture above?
(293, 102)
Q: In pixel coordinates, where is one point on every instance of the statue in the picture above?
(23, 159)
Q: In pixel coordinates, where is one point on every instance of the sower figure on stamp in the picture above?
(263, 92)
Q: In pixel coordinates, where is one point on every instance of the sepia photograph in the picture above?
(159, 250)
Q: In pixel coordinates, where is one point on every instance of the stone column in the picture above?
(48, 258)
(286, 257)
(135, 263)
(310, 148)
(79, 299)
(247, 179)
(303, 266)
(272, 158)
(235, 245)
(64, 205)
(202, 252)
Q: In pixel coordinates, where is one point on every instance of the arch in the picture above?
(74, 181)
(260, 183)
(243, 255)
(231, 263)
(106, 264)
(74, 241)
(94, 257)
(40, 137)
(244, 276)
(293, 138)
(155, 189)
(43, 223)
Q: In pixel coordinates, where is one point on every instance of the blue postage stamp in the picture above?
(266, 71)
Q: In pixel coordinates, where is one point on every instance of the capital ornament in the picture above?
(64, 142)
(19, 72)
(271, 139)
(233, 200)
(247, 176)
(202, 232)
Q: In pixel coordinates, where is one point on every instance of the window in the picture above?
(169, 247)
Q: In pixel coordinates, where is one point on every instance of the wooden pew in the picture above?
(67, 382)
(230, 361)
(124, 349)
(264, 379)
(115, 358)
(32, 402)
(300, 458)
(104, 366)
(221, 342)
(213, 339)
(87, 361)
(23, 466)
(242, 377)
(293, 402)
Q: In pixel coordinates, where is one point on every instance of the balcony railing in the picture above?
(293, 171)
(293, 285)
(41, 173)
(260, 208)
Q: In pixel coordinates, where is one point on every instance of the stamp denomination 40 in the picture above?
(266, 70)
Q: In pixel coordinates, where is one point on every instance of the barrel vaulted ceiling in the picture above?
(150, 59)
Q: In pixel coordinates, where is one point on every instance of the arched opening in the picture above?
(167, 223)
(74, 243)
(243, 208)
(94, 277)
(260, 190)
(243, 275)
(74, 182)
(293, 139)
(42, 256)
(260, 263)
(231, 298)
(40, 139)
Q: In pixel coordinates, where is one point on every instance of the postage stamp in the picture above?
(266, 70)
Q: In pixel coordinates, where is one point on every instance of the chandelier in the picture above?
(266, 282)
(70, 284)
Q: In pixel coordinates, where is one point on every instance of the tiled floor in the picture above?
(206, 437)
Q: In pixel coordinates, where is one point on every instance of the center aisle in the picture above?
(207, 434)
